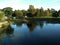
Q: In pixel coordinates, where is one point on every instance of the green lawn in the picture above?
(44, 17)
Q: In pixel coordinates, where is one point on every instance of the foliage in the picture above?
(55, 14)
(31, 12)
(24, 12)
(41, 12)
(59, 12)
(2, 15)
(18, 13)
(8, 11)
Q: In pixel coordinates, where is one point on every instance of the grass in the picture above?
(2, 20)
(4, 26)
(46, 17)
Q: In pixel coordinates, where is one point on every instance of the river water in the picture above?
(32, 33)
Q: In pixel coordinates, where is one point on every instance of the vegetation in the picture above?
(8, 11)
(2, 15)
(31, 12)
(18, 14)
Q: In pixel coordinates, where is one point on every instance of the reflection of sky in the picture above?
(7, 40)
(20, 32)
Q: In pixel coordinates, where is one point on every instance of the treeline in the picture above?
(31, 12)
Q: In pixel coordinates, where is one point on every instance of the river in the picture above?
(32, 33)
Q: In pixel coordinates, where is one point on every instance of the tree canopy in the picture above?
(2, 15)
(18, 13)
(31, 12)
(8, 11)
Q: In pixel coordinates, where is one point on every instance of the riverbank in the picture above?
(43, 19)
(33, 19)
(3, 23)
(3, 26)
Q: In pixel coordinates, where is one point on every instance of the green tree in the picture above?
(55, 14)
(38, 12)
(24, 12)
(18, 13)
(47, 12)
(31, 10)
(8, 11)
(2, 15)
(52, 10)
(59, 12)
(41, 12)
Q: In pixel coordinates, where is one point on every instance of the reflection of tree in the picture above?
(2, 34)
(41, 24)
(53, 21)
(31, 26)
(18, 24)
(1, 43)
(9, 30)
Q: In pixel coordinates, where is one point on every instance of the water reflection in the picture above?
(31, 26)
(6, 34)
(1, 43)
(18, 24)
(37, 32)
(53, 21)
(41, 24)
(9, 30)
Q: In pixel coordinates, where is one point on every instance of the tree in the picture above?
(29, 14)
(59, 12)
(31, 10)
(47, 12)
(41, 12)
(8, 11)
(52, 11)
(24, 12)
(2, 15)
(38, 12)
(55, 14)
(18, 13)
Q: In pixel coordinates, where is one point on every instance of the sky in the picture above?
(24, 4)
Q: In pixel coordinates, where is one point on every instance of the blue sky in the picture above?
(24, 4)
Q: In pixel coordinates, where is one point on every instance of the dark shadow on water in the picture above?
(41, 24)
(31, 25)
(9, 30)
(18, 24)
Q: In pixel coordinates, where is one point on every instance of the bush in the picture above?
(55, 14)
